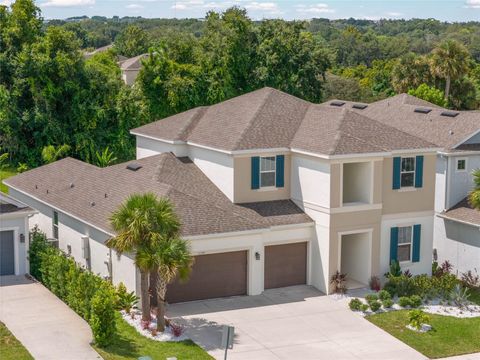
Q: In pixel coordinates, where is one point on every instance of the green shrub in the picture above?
(86, 293)
(355, 304)
(374, 305)
(371, 297)
(445, 284)
(395, 270)
(424, 286)
(384, 295)
(125, 300)
(364, 307)
(404, 301)
(417, 317)
(102, 318)
(387, 303)
(415, 301)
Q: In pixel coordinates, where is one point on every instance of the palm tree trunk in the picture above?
(145, 296)
(161, 291)
(447, 87)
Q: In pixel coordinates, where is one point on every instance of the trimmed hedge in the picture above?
(93, 298)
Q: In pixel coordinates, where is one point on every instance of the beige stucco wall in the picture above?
(355, 221)
(242, 182)
(412, 199)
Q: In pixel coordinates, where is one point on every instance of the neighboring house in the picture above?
(130, 68)
(88, 55)
(272, 191)
(14, 231)
(457, 133)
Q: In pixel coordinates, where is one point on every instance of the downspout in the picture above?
(447, 183)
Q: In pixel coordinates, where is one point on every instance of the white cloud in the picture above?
(6, 2)
(394, 14)
(66, 3)
(472, 4)
(134, 6)
(315, 9)
(262, 6)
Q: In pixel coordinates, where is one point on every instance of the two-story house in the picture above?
(272, 191)
(457, 134)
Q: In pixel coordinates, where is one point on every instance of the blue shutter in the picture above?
(419, 171)
(280, 171)
(396, 173)
(416, 243)
(255, 172)
(393, 243)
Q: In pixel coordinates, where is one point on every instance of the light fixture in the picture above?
(22, 238)
(257, 256)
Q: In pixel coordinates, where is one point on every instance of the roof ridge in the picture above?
(199, 113)
(338, 131)
(251, 120)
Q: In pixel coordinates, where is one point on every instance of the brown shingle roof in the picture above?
(268, 118)
(463, 212)
(445, 132)
(202, 207)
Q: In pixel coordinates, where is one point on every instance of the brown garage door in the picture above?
(285, 265)
(213, 276)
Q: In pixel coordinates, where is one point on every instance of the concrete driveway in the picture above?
(47, 327)
(290, 323)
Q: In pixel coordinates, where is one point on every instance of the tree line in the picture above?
(55, 102)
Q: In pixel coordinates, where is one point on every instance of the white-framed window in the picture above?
(55, 225)
(267, 171)
(407, 172)
(405, 240)
(461, 165)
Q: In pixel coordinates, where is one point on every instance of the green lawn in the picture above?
(10, 347)
(6, 173)
(129, 344)
(449, 336)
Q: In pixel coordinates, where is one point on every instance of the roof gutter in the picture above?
(458, 221)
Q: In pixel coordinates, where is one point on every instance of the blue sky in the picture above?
(446, 10)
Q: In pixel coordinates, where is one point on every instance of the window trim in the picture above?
(410, 256)
(55, 225)
(266, 187)
(408, 172)
(457, 160)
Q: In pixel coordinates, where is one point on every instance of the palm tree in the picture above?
(51, 153)
(171, 258)
(136, 221)
(474, 196)
(450, 61)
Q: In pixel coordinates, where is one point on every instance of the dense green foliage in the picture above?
(87, 294)
(450, 335)
(51, 94)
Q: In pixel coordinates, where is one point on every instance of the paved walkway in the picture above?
(290, 323)
(47, 327)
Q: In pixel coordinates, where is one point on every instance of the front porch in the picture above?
(355, 258)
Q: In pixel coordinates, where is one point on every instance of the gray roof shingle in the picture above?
(202, 207)
(268, 118)
(463, 212)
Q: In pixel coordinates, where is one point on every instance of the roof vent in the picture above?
(134, 166)
(92, 203)
(359, 106)
(422, 110)
(449, 113)
(72, 185)
(337, 103)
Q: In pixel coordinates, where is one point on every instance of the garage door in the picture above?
(213, 276)
(7, 254)
(285, 265)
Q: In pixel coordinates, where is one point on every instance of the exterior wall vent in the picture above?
(449, 113)
(337, 103)
(359, 106)
(134, 166)
(422, 110)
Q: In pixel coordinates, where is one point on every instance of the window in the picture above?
(55, 225)
(407, 173)
(267, 171)
(405, 235)
(461, 164)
